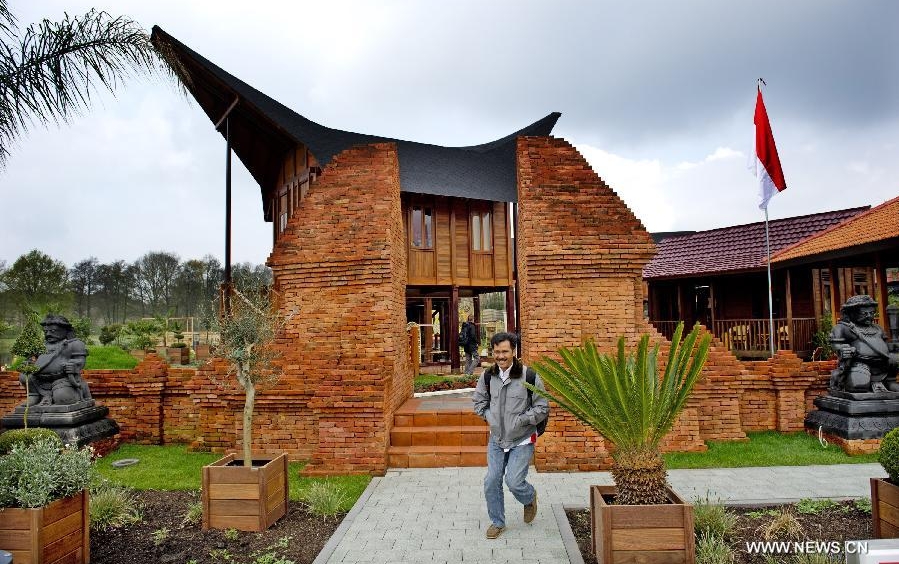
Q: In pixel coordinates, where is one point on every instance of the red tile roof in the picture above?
(737, 248)
(877, 224)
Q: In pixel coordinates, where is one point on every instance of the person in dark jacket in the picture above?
(469, 341)
(513, 419)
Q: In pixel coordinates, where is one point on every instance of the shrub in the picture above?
(888, 456)
(712, 519)
(324, 498)
(36, 474)
(109, 333)
(26, 438)
(711, 549)
(821, 338)
(112, 507)
(783, 525)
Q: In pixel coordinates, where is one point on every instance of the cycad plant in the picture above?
(625, 400)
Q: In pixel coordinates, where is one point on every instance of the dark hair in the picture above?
(500, 337)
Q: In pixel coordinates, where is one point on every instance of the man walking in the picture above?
(502, 400)
(469, 341)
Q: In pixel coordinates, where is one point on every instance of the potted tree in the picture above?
(622, 397)
(44, 506)
(178, 353)
(885, 491)
(248, 492)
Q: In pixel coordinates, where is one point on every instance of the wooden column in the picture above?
(429, 331)
(511, 313)
(712, 305)
(789, 299)
(835, 302)
(454, 329)
(680, 303)
(882, 296)
(477, 316)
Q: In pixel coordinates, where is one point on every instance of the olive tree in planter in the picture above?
(624, 399)
(44, 506)
(885, 492)
(249, 492)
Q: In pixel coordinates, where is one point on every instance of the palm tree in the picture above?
(624, 399)
(49, 71)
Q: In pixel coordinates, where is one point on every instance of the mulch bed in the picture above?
(298, 536)
(838, 523)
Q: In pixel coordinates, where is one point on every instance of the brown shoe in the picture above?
(493, 531)
(530, 510)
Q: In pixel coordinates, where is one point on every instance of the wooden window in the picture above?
(481, 232)
(422, 227)
(282, 212)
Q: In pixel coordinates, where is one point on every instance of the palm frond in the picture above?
(623, 396)
(49, 72)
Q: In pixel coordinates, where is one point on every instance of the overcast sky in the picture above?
(658, 96)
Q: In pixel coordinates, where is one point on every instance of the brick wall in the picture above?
(341, 269)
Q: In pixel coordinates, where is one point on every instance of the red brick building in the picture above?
(371, 233)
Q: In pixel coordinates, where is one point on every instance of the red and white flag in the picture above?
(767, 164)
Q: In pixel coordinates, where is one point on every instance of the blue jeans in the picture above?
(514, 465)
(472, 361)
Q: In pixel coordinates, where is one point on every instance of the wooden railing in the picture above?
(751, 335)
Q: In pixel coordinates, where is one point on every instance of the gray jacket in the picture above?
(506, 407)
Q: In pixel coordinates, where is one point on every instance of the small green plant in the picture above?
(821, 338)
(712, 519)
(159, 536)
(36, 474)
(815, 558)
(112, 506)
(231, 535)
(863, 505)
(324, 499)
(221, 554)
(712, 549)
(26, 437)
(783, 525)
(760, 513)
(194, 514)
(282, 543)
(888, 456)
(815, 506)
(271, 558)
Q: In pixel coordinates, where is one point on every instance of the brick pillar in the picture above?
(341, 269)
(790, 384)
(581, 253)
(145, 417)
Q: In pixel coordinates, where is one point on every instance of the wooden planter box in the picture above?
(56, 533)
(178, 355)
(641, 533)
(885, 508)
(245, 498)
(203, 352)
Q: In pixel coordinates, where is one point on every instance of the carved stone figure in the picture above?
(56, 377)
(867, 365)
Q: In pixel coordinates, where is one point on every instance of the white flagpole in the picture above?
(770, 296)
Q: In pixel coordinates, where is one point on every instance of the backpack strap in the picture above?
(531, 378)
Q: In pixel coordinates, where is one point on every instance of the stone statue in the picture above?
(867, 365)
(55, 377)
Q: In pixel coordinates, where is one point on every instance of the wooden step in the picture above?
(437, 431)
(436, 456)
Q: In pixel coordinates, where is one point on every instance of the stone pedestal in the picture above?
(855, 416)
(78, 424)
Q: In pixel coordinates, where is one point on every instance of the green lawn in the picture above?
(766, 448)
(109, 358)
(172, 467)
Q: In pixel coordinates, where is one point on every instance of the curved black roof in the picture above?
(263, 131)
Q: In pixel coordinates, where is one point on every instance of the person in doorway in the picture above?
(469, 341)
(502, 400)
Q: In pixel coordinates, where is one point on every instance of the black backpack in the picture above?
(530, 377)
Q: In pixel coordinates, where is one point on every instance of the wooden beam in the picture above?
(511, 314)
(680, 302)
(227, 112)
(712, 304)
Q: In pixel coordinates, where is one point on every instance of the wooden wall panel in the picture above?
(462, 244)
(443, 243)
(500, 244)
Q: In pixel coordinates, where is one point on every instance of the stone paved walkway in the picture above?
(439, 516)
